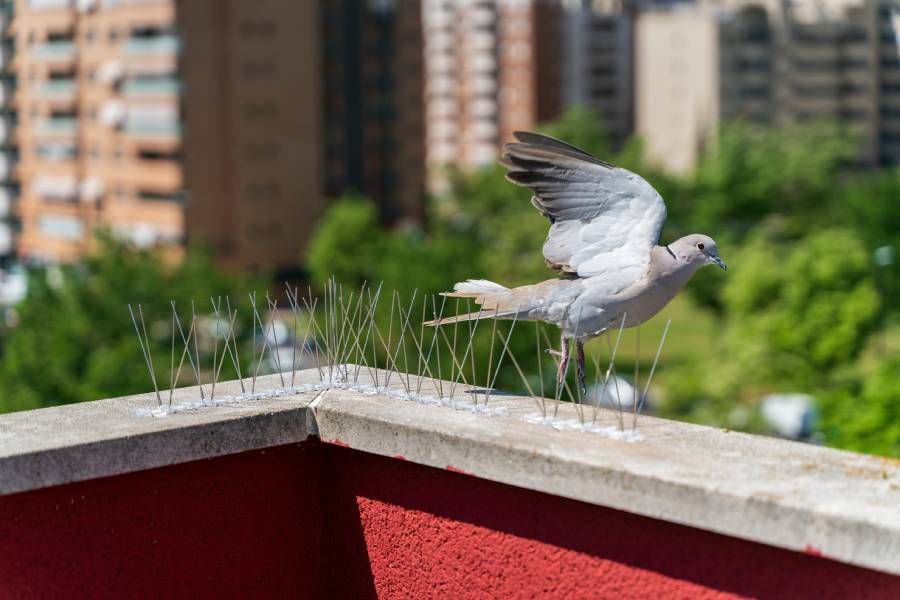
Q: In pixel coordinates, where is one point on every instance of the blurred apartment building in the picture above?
(374, 110)
(768, 61)
(287, 104)
(226, 121)
(97, 132)
(495, 66)
(8, 189)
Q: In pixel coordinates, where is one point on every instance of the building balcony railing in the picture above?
(56, 89)
(331, 492)
(7, 164)
(164, 44)
(150, 129)
(151, 87)
(48, 4)
(63, 126)
(61, 50)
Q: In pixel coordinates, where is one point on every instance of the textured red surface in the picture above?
(408, 531)
(322, 521)
(233, 527)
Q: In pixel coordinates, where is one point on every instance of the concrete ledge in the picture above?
(839, 505)
(65, 444)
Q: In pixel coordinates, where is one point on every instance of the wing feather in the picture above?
(604, 220)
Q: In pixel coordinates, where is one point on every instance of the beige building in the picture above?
(98, 126)
(772, 62)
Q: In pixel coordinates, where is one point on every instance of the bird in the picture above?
(603, 242)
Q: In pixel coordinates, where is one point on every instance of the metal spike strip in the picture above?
(273, 313)
(502, 353)
(643, 399)
(145, 350)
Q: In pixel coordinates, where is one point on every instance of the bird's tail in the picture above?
(489, 295)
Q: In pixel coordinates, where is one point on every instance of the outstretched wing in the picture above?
(604, 220)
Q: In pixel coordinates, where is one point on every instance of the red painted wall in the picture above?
(315, 520)
(239, 526)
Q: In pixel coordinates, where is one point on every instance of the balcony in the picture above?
(56, 152)
(163, 44)
(59, 51)
(49, 4)
(7, 164)
(330, 492)
(56, 92)
(59, 188)
(6, 129)
(6, 201)
(56, 88)
(151, 87)
(57, 127)
(152, 129)
(61, 227)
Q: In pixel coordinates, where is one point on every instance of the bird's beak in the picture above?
(718, 261)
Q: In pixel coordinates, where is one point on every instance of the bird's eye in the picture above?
(700, 245)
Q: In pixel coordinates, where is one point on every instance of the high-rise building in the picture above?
(768, 61)
(491, 68)
(97, 124)
(287, 104)
(494, 66)
(221, 121)
(597, 62)
(8, 189)
(252, 108)
(374, 122)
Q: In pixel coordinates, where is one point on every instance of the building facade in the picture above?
(495, 66)
(252, 132)
(597, 62)
(373, 131)
(97, 135)
(219, 121)
(8, 187)
(771, 62)
(490, 69)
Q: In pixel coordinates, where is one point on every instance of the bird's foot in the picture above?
(555, 353)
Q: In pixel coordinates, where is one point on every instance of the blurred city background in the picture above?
(157, 150)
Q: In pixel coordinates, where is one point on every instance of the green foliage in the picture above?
(74, 339)
(583, 129)
(347, 243)
(754, 178)
(866, 416)
(351, 246)
(871, 205)
(794, 312)
(752, 174)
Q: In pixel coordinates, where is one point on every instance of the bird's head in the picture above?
(698, 249)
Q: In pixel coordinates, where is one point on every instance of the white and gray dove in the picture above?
(605, 224)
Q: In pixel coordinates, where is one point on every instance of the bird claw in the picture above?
(553, 352)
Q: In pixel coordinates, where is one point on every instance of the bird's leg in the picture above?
(579, 361)
(563, 363)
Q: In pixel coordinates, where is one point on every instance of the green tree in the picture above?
(74, 339)
(869, 203)
(797, 314)
(865, 416)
